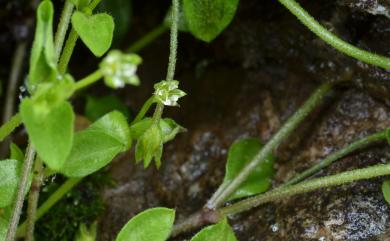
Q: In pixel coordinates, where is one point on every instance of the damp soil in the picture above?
(246, 83)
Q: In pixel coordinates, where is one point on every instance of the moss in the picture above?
(83, 205)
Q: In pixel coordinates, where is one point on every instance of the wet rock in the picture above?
(247, 83)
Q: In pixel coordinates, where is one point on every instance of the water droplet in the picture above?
(275, 227)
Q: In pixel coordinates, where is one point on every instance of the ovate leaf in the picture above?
(240, 154)
(42, 60)
(96, 146)
(91, 151)
(95, 31)
(10, 171)
(50, 132)
(96, 107)
(206, 19)
(386, 190)
(115, 125)
(151, 225)
(218, 232)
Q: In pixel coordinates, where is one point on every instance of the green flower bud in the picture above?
(168, 93)
(85, 234)
(149, 146)
(119, 69)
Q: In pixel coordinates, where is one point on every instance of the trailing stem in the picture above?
(278, 194)
(290, 125)
(332, 39)
(63, 27)
(380, 136)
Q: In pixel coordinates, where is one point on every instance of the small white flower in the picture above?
(168, 92)
(119, 69)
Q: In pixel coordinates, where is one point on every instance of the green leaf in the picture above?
(51, 132)
(168, 127)
(10, 171)
(91, 151)
(218, 232)
(388, 135)
(240, 154)
(95, 31)
(96, 107)
(96, 146)
(151, 225)
(208, 18)
(115, 125)
(386, 190)
(42, 60)
(16, 152)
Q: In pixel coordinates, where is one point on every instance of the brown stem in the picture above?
(196, 220)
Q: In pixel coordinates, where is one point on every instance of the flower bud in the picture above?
(168, 93)
(119, 69)
(149, 146)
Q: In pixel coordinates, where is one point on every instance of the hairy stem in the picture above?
(63, 27)
(50, 202)
(33, 198)
(67, 51)
(337, 155)
(332, 39)
(174, 42)
(148, 38)
(194, 221)
(27, 165)
(308, 186)
(290, 125)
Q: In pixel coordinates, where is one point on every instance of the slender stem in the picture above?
(33, 198)
(148, 38)
(194, 221)
(314, 100)
(50, 202)
(158, 113)
(10, 126)
(174, 42)
(94, 4)
(308, 186)
(63, 27)
(332, 39)
(17, 66)
(90, 79)
(144, 109)
(27, 165)
(337, 155)
(67, 51)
